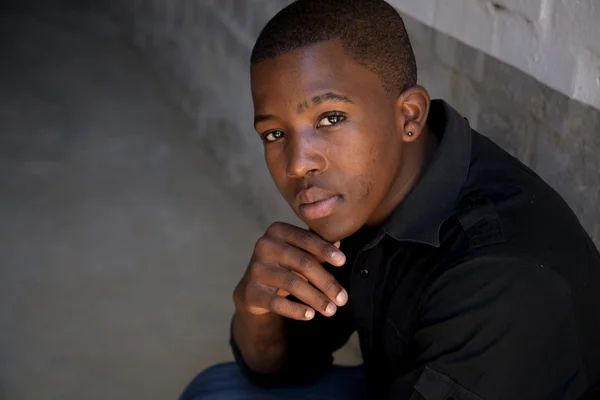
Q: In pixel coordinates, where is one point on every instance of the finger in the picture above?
(308, 241)
(282, 292)
(337, 244)
(309, 267)
(298, 287)
(269, 300)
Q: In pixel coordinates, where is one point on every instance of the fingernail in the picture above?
(330, 308)
(342, 298)
(339, 257)
(309, 314)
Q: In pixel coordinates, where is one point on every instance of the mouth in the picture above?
(319, 209)
(316, 203)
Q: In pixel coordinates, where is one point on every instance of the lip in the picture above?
(315, 203)
(319, 209)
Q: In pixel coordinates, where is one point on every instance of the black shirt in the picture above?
(481, 285)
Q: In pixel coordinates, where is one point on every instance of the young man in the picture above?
(465, 275)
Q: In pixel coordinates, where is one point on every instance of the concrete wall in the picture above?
(202, 49)
(556, 41)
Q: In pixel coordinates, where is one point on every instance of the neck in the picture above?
(415, 160)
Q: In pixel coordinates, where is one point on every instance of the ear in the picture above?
(412, 109)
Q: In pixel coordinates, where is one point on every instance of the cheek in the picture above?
(374, 174)
(275, 161)
(365, 187)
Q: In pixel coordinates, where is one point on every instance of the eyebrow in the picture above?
(262, 118)
(321, 98)
(316, 100)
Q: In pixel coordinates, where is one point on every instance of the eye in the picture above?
(330, 120)
(273, 136)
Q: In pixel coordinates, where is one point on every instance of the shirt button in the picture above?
(364, 273)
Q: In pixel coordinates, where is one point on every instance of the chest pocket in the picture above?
(481, 224)
(401, 296)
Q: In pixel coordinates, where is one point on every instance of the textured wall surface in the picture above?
(119, 246)
(556, 41)
(202, 49)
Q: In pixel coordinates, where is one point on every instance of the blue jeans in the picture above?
(225, 382)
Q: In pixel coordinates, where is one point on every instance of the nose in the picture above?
(304, 156)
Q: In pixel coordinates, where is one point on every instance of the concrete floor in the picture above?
(119, 247)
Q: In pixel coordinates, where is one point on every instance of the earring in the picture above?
(409, 134)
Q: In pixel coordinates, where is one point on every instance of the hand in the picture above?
(285, 259)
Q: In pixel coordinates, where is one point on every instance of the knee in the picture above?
(216, 383)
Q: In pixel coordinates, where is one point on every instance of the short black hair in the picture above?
(372, 32)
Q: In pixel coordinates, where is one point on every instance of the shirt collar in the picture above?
(421, 214)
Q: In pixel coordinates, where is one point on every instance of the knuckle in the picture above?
(325, 249)
(295, 310)
(290, 283)
(281, 307)
(255, 270)
(304, 237)
(249, 297)
(275, 228)
(240, 295)
(305, 263)
(331, 285)
(262, 245)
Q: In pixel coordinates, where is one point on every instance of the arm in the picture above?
(303, 351)
(494, 328)
(262, 339)
(273, 333)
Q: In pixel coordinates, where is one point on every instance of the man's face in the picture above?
(330, 136)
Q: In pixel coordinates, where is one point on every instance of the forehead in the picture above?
(308, 70)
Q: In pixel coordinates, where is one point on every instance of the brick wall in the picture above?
(556, 41)
(201, 48)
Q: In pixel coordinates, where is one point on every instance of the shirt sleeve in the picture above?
(495, 329)
(310, 347)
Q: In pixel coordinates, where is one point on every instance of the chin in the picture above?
(333, 229)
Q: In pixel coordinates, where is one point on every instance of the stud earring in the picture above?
(409, 134)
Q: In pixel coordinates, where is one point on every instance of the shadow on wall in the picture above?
(202, 50)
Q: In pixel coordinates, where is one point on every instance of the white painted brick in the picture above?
(556, 41)
(530, 9)
(470, 21)
(478, 25)
(587, 80)
(578, 20)
(448, 17)
(422, 10)
(515, 41)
